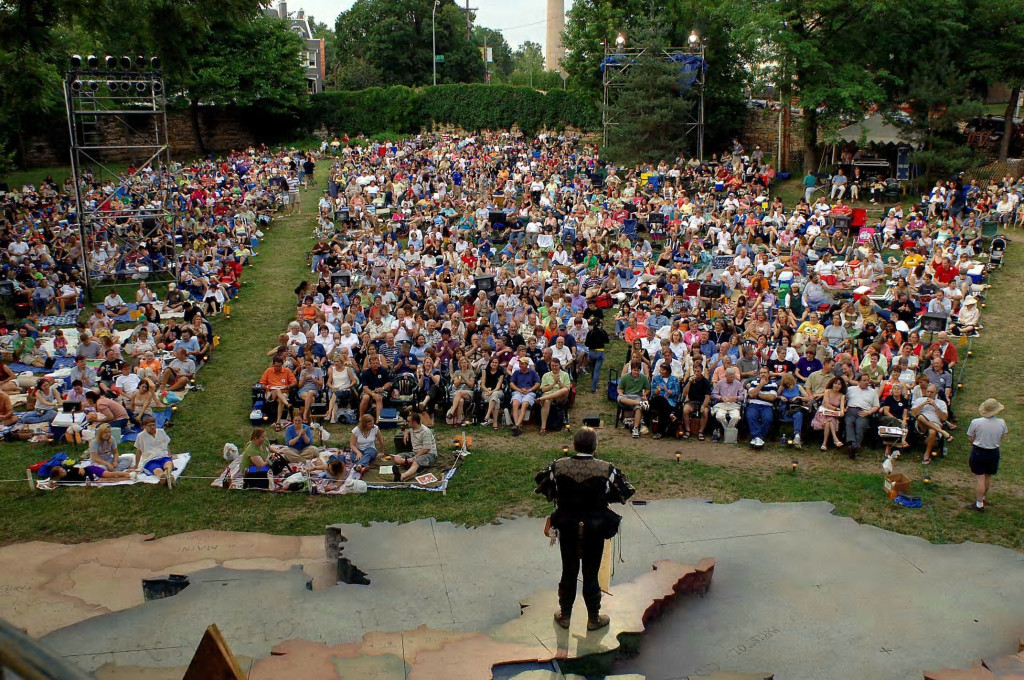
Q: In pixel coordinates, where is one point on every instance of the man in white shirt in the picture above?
(152, 453)
(861, 404)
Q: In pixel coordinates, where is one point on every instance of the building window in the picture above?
(311, 59)
(311, 85)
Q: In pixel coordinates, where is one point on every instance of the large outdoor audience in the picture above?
(483, 279)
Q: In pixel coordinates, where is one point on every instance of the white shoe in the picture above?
(170, 481)
(134, 475)
(797, 441)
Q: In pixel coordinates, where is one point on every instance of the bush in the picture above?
(404, 110)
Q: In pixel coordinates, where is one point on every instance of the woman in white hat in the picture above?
(985, 433)
(967, 321)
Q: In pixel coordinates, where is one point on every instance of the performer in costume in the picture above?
(581, 488)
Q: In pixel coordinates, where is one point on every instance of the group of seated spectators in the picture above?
(119, 378)
(474, 275)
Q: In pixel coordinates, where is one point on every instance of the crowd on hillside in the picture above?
(483, 278)
(119, 363)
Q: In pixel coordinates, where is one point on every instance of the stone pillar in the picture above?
(554, 51)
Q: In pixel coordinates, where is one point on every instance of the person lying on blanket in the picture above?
(152, 453)
(88, 473)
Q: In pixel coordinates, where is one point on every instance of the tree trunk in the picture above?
(1011, 108)
(193, 110)
(810, 139)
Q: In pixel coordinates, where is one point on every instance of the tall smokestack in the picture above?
(554, 51)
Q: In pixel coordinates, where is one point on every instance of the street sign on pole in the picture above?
(439, 59)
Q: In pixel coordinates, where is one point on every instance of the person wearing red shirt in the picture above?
(946, 272)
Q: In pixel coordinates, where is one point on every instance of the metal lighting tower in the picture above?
(135, 212)
(433, 36)
(618, 59)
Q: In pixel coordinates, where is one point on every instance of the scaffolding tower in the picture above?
(116, 111)
(619, 59)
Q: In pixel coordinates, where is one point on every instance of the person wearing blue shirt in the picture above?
(189, 343)
(664, 400)
(761, 406)
(524, 383)
(657, 320)
(298, 440)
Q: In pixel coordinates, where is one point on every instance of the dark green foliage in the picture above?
(404, 110)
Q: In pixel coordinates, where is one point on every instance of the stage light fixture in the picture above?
(157, 87)
(125, 85)
(111, 61)
(140, 62)
(154, 63)
(93, 61)
(76, 85)
(141, 86)
(126, 63)
(76, 61)
(112, 85)
(94, 85)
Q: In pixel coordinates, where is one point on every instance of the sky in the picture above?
(523, 19)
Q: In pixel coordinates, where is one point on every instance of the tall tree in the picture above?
(500, 50)
(393, 38)
(254, 63)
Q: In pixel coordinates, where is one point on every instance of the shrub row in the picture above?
(405, 110)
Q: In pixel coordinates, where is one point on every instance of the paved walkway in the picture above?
(796, 590)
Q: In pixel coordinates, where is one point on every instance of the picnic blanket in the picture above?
(60, 320)
(161, 418)
(181, 461)
(59, 364)
(443, 470)
(132, 306)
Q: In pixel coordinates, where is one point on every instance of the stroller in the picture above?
(996, 253)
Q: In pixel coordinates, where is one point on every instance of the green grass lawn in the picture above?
(497, 479)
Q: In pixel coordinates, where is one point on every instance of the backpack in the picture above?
(613, 386)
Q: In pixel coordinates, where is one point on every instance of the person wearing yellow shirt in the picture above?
(811, 328)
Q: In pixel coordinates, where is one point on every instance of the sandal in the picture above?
(824, 447)
(543, 433)
(686, 435)
(700, 437)
(926, 461)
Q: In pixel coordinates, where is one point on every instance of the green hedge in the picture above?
(404, 110)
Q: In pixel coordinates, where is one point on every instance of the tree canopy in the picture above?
(390, 42)
(228, 53)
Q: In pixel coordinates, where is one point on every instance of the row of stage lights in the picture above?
(92, 62)
(140, 86)
(116, 82)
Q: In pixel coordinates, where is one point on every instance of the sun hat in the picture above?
(989, 408)
(970, 300)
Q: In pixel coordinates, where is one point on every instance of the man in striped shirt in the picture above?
(294, 198)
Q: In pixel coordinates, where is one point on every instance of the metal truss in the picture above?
(618, 60)
(136, 213)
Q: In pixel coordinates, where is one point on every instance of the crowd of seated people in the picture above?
(119, 378)
(473, 275)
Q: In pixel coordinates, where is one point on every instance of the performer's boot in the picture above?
(565, 602)
(595, 619)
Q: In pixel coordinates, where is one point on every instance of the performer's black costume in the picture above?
(582, 487)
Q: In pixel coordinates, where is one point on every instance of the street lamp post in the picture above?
(433, 35)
